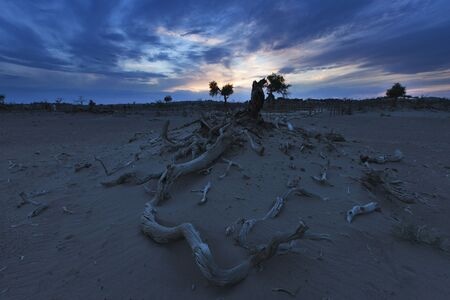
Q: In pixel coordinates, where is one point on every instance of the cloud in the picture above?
(322, 46)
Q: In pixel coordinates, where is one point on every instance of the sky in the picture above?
(121, 51)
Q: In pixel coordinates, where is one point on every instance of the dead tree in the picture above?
(257, 99)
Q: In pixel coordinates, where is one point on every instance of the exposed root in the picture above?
(247, 225)
(38, 210)
(27, 198)
(80, 166)
(382, 159)
(131, 178)
(67, 211)
(256, 147)
(203, 256)
(201, 162)
(204, 192)
(118, 168)
(196, 146)
(165, 138)
(361, 209)
(286, 291)
(282, 121)
(230, 164)
(322, 178)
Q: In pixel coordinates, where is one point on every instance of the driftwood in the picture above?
(361, 209)
(382, 159)
(80, 166)
(323, 178)
(165, 138)
(38, 210)
(230, 163)
(201, 162)
(118, 168)
(247, 225)
(154, 228)
(131, 178)
(256, 147)
(202, 254)
(204, 192)
(67, 211)
(26, 198)
(282, 121)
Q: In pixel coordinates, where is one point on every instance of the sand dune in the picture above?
(88, 243)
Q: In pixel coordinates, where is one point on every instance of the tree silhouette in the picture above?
(397, 90)
(2, 99)
(167, 98)
(276, 84)
(91, 105)
(225, 91)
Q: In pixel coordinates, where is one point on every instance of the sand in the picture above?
(88, 243)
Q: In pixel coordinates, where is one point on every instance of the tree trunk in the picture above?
(257, 99)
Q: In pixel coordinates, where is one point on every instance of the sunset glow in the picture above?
(141, 50)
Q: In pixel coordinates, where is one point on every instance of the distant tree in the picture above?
(91, 105)
(214, 89)
(276, 84)
(59, 100)
(2, 99)
(168, 99)
(226, 91)
(397, 90)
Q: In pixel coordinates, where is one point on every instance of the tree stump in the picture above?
(257, 98)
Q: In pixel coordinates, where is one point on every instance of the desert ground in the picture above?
(88, 243)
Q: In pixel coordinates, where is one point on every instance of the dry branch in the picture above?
(247, 225)
(361, 209)
(38, 210)
(282, 121)
(80, 166)
(230, 163)
(118, 168)
(131, 178)
(382, 159)
(203, 161)
(67, 211)
(256, 147)
(322, 178)
(203, 256)
(26, 198)
(204, 192)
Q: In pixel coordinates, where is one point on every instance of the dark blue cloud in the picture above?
(98, 39)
